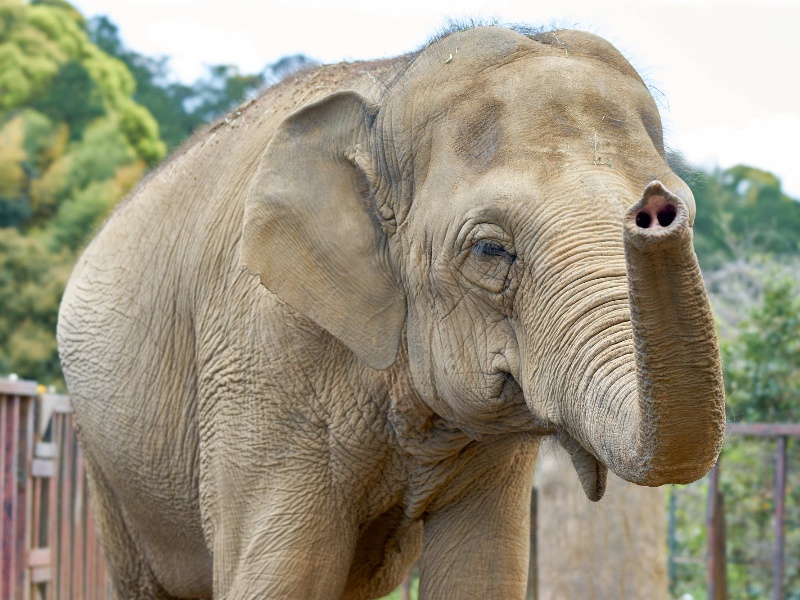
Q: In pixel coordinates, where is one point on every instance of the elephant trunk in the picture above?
(664, 423)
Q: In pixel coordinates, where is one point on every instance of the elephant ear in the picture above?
(311, 232)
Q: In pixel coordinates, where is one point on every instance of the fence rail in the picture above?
(49, 547)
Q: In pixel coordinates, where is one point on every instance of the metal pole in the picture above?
(780, 494)
(533, 575)
(715, 527)
(405, 587)
(672, 539)
(713, 480)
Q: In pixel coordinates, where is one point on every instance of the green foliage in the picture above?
(72, 143)
(47, 62)
(94, 158)
(741, 211)
(34, 42)
(81, 119)
(72, 97)
(762, 366)
(762, 376)
(32, 279)
(13, 206)
(690, 540)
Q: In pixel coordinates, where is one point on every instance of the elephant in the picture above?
(323, 342)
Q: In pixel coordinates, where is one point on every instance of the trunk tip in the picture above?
(658, 215)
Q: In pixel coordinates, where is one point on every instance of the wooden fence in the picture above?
(49, 547)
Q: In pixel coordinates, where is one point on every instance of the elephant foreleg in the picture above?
(290, 550)
(130, 573)
(477, 545)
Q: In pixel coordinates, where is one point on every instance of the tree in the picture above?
(32, 279)
(45, 53)
(72, 143)
(182, 109)
(14, 209)
(741, 211)
(762, 366)
(72, 97)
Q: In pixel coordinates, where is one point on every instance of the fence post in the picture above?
(672, 541)
(16, 449)
(715, 527)
(780, 495)
(405, 587)
(533, 573)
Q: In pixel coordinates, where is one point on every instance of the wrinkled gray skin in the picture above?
(324, 341)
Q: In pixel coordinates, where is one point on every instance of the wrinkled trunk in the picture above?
(664, 420)
(663, 423)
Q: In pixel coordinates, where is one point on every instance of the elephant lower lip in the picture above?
(591, 472)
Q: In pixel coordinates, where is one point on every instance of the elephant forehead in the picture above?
(539, 112)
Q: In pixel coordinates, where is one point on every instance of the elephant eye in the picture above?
(489, 248)
(489, 260)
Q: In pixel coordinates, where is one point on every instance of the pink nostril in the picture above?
(658, 212)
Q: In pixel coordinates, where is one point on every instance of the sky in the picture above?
(722, 71)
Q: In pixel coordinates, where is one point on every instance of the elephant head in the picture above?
(507, 212)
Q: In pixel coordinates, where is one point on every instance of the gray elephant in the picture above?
(324, 341)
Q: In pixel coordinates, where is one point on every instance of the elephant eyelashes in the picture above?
(486, 248)
(488, 264)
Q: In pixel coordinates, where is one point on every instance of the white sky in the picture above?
(728, 70)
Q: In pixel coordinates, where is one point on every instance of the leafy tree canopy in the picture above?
(48, 62)
(762, 365)
(741, 211)
(181, 109)
(81, 119)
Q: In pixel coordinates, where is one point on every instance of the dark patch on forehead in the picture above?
(476, 130)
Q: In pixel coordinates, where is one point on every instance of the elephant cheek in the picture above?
(419, 355)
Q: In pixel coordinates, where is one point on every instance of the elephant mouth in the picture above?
(510, 400)
(511, 395)
(591, 472)
(505, 410)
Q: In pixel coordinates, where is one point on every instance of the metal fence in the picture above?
(744, 546)
(49, 547)
(717, 578)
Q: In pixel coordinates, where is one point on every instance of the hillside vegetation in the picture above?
(82, 119)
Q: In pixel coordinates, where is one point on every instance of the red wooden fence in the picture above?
(49, 546)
